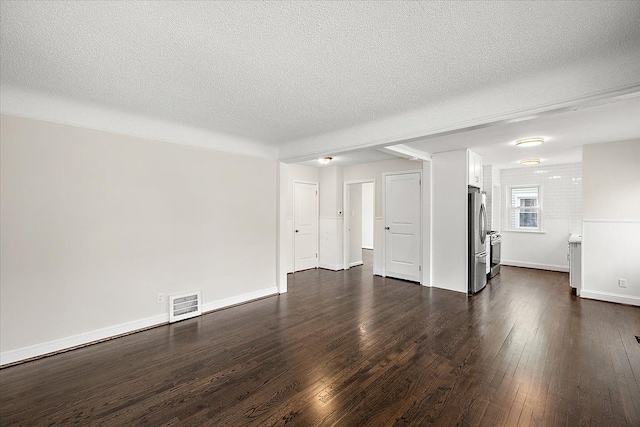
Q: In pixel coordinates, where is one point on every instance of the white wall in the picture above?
(282, 237)
(427, 223)
(330, 181)
(491, 183)
(562, 215)
(449, 223)
(612, 181)
(331, 222)
(496, 200)
(95, 225)
(611, 221)
(368, 214)
(355, 224)
(487, 187)
(304, 174)
(374, 172)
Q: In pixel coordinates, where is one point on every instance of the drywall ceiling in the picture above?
(292, 74)
(354, 158)
(565, 133)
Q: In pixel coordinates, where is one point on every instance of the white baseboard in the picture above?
(332, 267)
(610, 297)
(84, 338)
(54, 346)
(238, 299)
(561, 268)
(369, 248)
(355, 264)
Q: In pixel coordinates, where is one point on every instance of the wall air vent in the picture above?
(185, 306)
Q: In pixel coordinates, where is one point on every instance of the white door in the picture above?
(402, 212)
(305, 224)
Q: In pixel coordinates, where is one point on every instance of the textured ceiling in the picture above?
(276, 72)
(565, 133)
(353, 158)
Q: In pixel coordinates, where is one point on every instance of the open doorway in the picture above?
(368, 215)
(359, 214)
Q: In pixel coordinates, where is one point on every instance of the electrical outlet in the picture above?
(160, 299)
(622, 283)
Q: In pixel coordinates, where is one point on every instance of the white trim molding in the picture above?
(31, 104)
(407, 152)
(613, 221)
(238, 299)
(102, 334)
(332, 267)
(549, 267)
(82, 339)
(610, 297)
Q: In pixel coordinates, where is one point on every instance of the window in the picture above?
(525, 208)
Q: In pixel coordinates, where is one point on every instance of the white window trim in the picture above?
(510, 209)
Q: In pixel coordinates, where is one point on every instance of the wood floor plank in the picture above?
(348, 348)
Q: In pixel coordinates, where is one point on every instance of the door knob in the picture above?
(297, 231)
(386, 228)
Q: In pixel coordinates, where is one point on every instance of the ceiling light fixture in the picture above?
(529, 142)
(325, 160)
(526, 162)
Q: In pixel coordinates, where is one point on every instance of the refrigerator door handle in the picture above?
(481, 254)
(486, 222)
(483, 224)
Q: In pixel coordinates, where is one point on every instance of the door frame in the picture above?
(293, 230)
(345, 223)
(384, 211)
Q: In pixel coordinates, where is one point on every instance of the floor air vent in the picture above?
(184, 306)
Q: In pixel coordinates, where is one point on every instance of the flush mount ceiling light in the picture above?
(529, 162)
(325, 160)
(529, 142)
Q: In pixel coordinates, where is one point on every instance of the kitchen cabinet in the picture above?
(474, 167)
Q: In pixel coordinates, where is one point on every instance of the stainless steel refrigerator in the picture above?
(478, 229)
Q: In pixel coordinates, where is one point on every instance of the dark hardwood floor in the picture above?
(347, 348)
